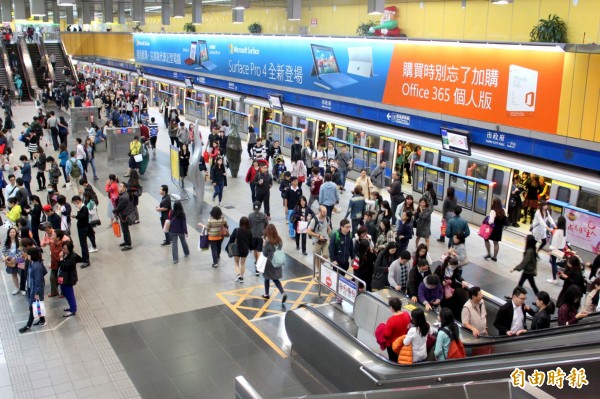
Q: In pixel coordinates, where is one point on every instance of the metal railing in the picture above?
(336, 279)
(8, 68)
(243, 389)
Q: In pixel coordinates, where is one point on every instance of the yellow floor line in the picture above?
(254, 309)
(301, 297)
(244, 296)
(272, 344)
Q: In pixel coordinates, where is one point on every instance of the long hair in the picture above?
(571, 297)
(497, 207)
(178, 210)
(545, 298)
(447, 321)
(450, 193)
(7, 242)
(418, 319)
(530, 244)
(561, 223)
(272, 236)
(430, 190)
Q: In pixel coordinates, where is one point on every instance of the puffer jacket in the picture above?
(404, 351)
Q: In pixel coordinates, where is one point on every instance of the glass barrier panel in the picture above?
(300, 123)
(563, 194)
(460, 191)
(481, 200)
(589, 200)
(340, 133)
(372, 161)
(288, 137)
(310, 130)
(418, 173)
(276, 133)
(237, 119)
(369, 140)
(359, 159)
(287, 119)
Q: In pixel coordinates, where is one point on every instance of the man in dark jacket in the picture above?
(396, 195)
(84, 230)
(416, 275)
(263, 182)
(510, 319)
(341, 248)
(297, 150)
(456, 225)
(122, 211)
(164, 208)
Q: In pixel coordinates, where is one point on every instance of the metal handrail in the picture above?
(27, 67)
(68, 60)
(44, 54)
(8, 68)
(318, 260)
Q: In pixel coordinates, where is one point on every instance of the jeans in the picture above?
(175, 249)
(27, 185)
(277, 284)
(554, 266)
(253, 191)
(215, 249)
(23, 277)
(343, 174)
(153, 142)
(329, 213)
(530, 278)
(125, 232)
(265, 199)
(162, 226)
(290, 224)
(218, 191)
(92, 162)
(30, 321)
(64, 170)
(82, 233)
(69, 294)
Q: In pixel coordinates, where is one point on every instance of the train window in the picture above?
(563, 194)
(448, 163)
(360, 160)
(463, 191)
(437, 179)
(255, 114)
(310, 130)
(498, 178)
(300, 123)
(278, 117)
(481, 196)
(351, 137)
(477, 170)
(276, 132)
(371, 141)
(340, 133)
(372, 161)
(429, 157)
(589, 200)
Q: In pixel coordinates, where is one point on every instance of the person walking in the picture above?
(178, 231)
(302, 216)
(423, 218)
(35, 287)
(242, 239)
(356, 207)
(272, 242)
(319, 229)
(542, 224)
(378, 176)
(184, 163)
(558, 242)
(67, 276)
(258, 223)
(529, 264)
(217, 230)
(263, 181)
(218, 177)
(40, 164)
(251, 140)
(123, 212)
(341, 248)
(153, 128)
(447, 211)
(396, 195)
(315, 181)
(328, 195)
(344, 162)
(497, 219)
(164, 207)
(250, 175)
(290, 201)
(457, 225)
(84, 230)
(364, 182)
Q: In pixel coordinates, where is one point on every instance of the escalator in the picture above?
(5, 72)
(351, 364)
(62, 59)
(16, 61)
(34, 54)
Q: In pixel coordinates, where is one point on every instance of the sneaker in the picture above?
(175, 262)
(23, 293)
(256, 272)
(441, 240)
(551, 281)
(87, 264)
(126, 248)
(283, 298)
(93, 250)
(215, 265)
(24, 329)
(122, 244)
(237, 278)
(494, 259)
(304, 253)
(40, 323)
(15, 292)
(69, 314)
(241, 279)
(165, 243)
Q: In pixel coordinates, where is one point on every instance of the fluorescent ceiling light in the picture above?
(65, 3)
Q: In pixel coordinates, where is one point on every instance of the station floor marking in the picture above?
(236, 300)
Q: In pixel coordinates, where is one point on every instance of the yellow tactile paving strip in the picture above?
(248, 305)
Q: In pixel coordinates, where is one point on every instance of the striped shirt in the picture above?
(153, 129)
(259, 153)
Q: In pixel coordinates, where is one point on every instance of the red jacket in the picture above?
(250, 174)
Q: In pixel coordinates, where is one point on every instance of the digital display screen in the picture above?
(275, 101)
(325, 60)
(202, 51)
(455, 141)
(188, 83)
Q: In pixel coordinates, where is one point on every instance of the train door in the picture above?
(500, 175)
(448, 162)
(340, 133)
(278, 116)
(212, 106)
(179, 99)
(387, 149)
(429, 155)
(228, 103)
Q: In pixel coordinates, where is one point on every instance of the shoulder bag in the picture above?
(224, 230)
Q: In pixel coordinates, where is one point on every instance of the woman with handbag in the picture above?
(454, 286)
(301, 217)
(423, 219)
(299, 171)
(542, 225)
(10, 252)
(365, 183)
(496, 219)
(217, 230)
(67, 276)
(35, 287)
(239, 246)
(177, 227)
(557, 245)
(134, 189)
(272, 243)
(447, 211)
(112, 189)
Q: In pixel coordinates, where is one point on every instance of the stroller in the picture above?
(279, 168)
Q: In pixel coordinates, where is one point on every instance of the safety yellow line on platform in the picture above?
(254, 328)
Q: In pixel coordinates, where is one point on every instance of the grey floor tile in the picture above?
(189, 384)
(158, 389)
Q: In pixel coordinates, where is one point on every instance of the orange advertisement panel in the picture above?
(512, 87)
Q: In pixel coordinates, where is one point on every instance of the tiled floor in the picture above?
(141, 316)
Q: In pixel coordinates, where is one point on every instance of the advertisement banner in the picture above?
(510, 85)
(583, 230)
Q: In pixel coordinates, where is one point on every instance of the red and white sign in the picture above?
(328, 277)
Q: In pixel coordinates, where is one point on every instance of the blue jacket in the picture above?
(26, 172)
(406, 230)
(178, 226)
(457, 225)
(35, 281)
(356, 207)
(328, 194)
(341, 248)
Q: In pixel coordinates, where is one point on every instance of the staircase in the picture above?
(34, 54)
(4, 78)
(56, 49)
(13, 48)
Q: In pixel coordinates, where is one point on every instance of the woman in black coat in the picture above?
(382, 266)
(242, 237)
(184, 162)
(67, 277)
(218, 178)
(450, 274)
(546, 307)
(573, 275)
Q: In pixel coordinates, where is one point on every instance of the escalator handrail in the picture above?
(44, 54)
(32, 86)
(67, 59)
(8, 69)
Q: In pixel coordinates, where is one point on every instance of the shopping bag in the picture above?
(485, 230)
(39, 309)
(116, 229)
(20, 263)
(167, 226)
(138, 158)
(203, 241)
(261, 263)
(443, 228)
(232, 249)
(557, 253)
(302, 227)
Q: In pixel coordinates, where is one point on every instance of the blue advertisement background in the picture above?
(282, 61)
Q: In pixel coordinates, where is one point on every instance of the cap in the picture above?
(256, 205)
(47, 208)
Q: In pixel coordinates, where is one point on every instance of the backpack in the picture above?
(278, 259)
(75, 170)
(456, 349)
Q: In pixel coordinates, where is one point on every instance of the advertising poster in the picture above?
(583, 230)
(513, 86)
(175, 176)
(347, 289)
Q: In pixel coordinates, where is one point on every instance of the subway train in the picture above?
(369, 143)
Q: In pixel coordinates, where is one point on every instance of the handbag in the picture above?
(138, 158)
(356, 262)
(557, 253)
(116, 229)
(301, 179)
(203, 243)
(94, 218)
(39, 309)
(448, 290)
(224, 230)
(485, 230)
(261, 263)
(302, 227)
(10, 262)
(232, 249)
(20, 263)
(443, 228)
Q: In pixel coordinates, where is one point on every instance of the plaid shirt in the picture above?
(398, 274)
